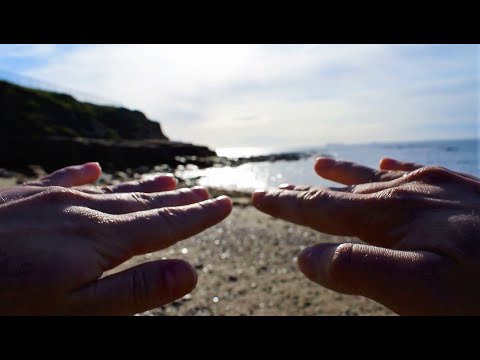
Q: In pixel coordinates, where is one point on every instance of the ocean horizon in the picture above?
(458, 155)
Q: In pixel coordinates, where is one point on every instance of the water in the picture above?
(459, 155)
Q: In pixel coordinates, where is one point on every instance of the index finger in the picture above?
(152, 230)
(336, 213)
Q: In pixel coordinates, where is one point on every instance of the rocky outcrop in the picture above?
(34, 113)
(55, 152)
(55, 130)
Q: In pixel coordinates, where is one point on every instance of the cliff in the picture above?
(54, 130)
(34, 113)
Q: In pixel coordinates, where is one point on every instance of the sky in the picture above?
(281, 95)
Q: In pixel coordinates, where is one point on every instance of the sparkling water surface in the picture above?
(459, 155)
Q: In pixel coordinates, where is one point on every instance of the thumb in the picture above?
(137, 289)
(403, 281)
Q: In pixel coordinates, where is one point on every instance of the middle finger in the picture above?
(124, 203)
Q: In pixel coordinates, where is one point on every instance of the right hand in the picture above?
(420, 226)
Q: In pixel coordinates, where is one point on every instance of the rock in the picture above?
(54, 130)
(122, 175)
(55, 152)
(34, 113)
(143, 169)
(4, 173)
(162, 168)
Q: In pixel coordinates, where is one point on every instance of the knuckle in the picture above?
(435, 170)
(384, 175)
(58, 194)
(302, 188)
(313, 195)
(140, 288)
(140, 198)
(387, 175)
(353, 189)
(340, 262)
(107, 189)
(396, 193)
(430, 173)
(86, 216)
(172, 219)
(88, 223)
(185, 194)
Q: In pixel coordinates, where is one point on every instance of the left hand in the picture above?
(58, 236)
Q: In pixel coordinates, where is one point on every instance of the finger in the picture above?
(152, 230)
(297, 187)
(403, 281)
(19, 192)
(350, 173)
(141, 288)
(332, 212)
(387, 163)
(123, 203)
(287, 186)
(392, 164)
(308, 187)
(70, 176)
(162, 182)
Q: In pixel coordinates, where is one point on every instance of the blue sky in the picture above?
(274, 95)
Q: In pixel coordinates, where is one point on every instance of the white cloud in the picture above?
(230, 95)
(26, 50)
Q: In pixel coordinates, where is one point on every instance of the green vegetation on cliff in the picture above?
(26, 112)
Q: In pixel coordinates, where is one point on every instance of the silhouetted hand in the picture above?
(421, 227)
(57, 238)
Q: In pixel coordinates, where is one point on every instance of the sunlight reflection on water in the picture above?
(252, 176)
(456, 155)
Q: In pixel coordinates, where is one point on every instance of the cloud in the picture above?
(285, 95)
(26, 50)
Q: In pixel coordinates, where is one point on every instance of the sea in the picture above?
(458, 155)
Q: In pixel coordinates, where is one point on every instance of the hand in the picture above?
(57, 238)
(420, 224)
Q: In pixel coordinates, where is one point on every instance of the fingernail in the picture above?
(283, 186)
(95, 165)
(163, 176)
(258, 195)
(389, 160)
(324, 162)
(314, 262)
(223, 199)
(199, 190)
